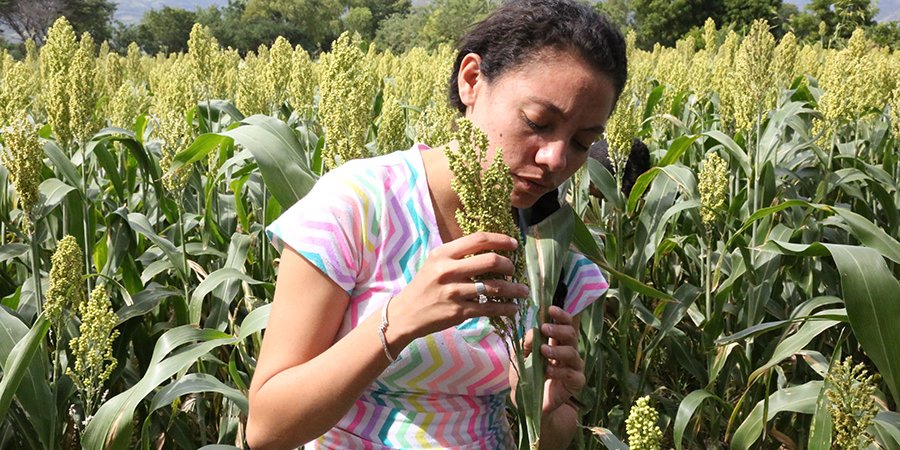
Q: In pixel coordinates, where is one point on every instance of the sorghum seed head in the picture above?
(641, 426)
(66, 271)
(713, 187)
(851, 402)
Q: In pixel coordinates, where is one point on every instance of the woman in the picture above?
(374, 340)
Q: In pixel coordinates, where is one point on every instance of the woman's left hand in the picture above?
(565, 368)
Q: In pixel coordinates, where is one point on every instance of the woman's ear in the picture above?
(468, 78)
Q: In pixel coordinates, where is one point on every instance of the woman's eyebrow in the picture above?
(553, 109)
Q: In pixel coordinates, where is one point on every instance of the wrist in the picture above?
(397, 334)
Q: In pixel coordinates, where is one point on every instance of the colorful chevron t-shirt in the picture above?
(369, 225)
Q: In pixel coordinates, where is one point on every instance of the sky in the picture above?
(130, 11)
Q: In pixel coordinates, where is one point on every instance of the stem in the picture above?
(707, 275)
(36, 266)
(183, 253)
(54, 387)
(85, 218)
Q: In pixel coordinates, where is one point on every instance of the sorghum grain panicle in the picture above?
(56, 59)
(753, 76)
(709, 35)
(713, 187)
(302, 84)
(392, 121)
(16, 90)
(277, 74)
(851, 402)
(621, 129)
(641, 426)
(94, 361)
(202, 49)
(784, 59)
(484, 190)
(174, 95)
(722, 81)
(23, 157)
(66, 271)
(250, 92)
(82, 95)
(347, 85)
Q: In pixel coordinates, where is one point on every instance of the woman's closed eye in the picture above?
(532, 124)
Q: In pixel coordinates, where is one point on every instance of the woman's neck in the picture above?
(444, 200)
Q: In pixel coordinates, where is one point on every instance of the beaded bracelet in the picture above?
(383, 328)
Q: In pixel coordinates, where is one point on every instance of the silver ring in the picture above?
(480, 290)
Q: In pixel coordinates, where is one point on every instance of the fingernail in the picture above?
(514, 242)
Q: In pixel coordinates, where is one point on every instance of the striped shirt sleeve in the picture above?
(323, 227)
(585, 283)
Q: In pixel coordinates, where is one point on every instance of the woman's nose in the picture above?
(552, 155)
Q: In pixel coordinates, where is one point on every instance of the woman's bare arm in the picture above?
(305, 382)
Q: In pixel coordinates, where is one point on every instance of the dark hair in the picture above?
(638, 161)
(513, 34)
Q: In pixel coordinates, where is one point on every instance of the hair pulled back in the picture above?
(514, 33)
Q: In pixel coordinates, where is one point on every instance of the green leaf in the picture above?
(194, 383)
(870, 295)
(112, 426)
(211, 282)
(54, 192)
(677, 148)
(140, 224)
(145, 301)
(19, 361)
(800, 399)
(733, 149)
(605, 182)
(887, 423)
(33, 393)
(584, 242)
(686, 409)
(110, 166)
(608, 438)
(797, 341)
(546, 251)
(198, 149)
(63, 164)
(279, 156)
(13, 250)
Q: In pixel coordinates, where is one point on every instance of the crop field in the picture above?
(754, 269)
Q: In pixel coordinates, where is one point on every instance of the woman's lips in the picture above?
(529, 185)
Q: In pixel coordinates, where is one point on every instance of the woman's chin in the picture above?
(522, 200)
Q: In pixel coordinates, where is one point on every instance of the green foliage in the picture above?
(752, 308)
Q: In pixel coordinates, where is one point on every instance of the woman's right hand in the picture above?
(442, 294)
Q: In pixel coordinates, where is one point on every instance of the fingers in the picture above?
(477, 243)
(490, 309)
(560, 315)
(562, 334)
(562, 356)
(501, 289)
(485, 263)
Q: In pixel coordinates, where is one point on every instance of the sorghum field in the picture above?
(755, 298)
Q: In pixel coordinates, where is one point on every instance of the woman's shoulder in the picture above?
(398, 163)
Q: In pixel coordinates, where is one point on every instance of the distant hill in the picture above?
(888, 10)
(130, 11)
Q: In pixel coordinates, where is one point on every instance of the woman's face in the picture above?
(544, 115)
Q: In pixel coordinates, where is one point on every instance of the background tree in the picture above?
(666, 21)
(31, 18)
